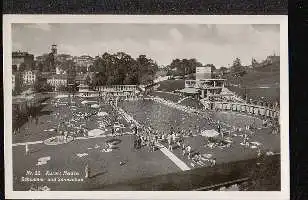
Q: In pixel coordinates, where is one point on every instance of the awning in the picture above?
(190, 90)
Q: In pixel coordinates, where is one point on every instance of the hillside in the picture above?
(259, 82)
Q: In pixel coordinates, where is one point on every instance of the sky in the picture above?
(209, 44)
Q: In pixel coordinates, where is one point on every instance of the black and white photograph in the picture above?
(124, 105)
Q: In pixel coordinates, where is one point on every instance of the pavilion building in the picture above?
(205, 86)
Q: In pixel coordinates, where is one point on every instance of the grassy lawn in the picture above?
(260, 82)
(105, 166)
(171, 85)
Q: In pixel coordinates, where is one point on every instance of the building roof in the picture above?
(21, 54)
(189, 90)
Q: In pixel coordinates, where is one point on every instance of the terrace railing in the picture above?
(205, 84)
(248, 108)
(117, 88)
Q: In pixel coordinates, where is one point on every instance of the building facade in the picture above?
(84, 61)
(203, 73)
(19, 58)
(204, 86)
(29, 77)
(57, 81)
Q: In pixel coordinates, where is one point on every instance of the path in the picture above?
(182, 100)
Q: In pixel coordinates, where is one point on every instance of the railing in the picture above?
(247, 108)
(205, 84)
(117, 88)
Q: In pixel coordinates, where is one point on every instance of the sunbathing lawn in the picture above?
(105, 167)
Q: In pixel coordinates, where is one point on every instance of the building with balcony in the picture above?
(29, 77)
(204, 86)
(57, 80)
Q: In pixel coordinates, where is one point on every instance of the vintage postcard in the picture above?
(141, 107)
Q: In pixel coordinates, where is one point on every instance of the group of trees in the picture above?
(237, 69)
(182, 67)
(41, 85)
(18, 84)
(121, 68)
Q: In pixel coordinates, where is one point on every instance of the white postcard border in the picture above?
(196, 19)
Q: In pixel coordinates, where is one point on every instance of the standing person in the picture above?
(170, 142)
(87, 171)
(213, 161)
(259, 152)
(153, 144)
(188, 149)
(65, 135)
(156, 138)
(178, 143)
(148, 143)
(30, 118)
(163, 137)
(27, 149)
(112, 131)
(140, 142)
(218, 127)
(183, 148)
(173, 138)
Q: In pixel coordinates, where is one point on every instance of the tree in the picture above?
(223, 70)
(62, 88)
(213, 68)
(254, 63)
(41, 85)
(14, 68)
(88, 80)
(147, 69)
(183, 67)
(237, 69)
(22, 67)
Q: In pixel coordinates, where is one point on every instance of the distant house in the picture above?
(82, 78)
(29, 77)
(84, 61)
(57, 80)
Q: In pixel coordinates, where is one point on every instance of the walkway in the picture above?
(182, 100)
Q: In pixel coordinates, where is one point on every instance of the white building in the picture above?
(84, 61)
(29, 77)
(57, 80)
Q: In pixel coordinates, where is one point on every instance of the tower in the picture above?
(52, 58)
(54, 49)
